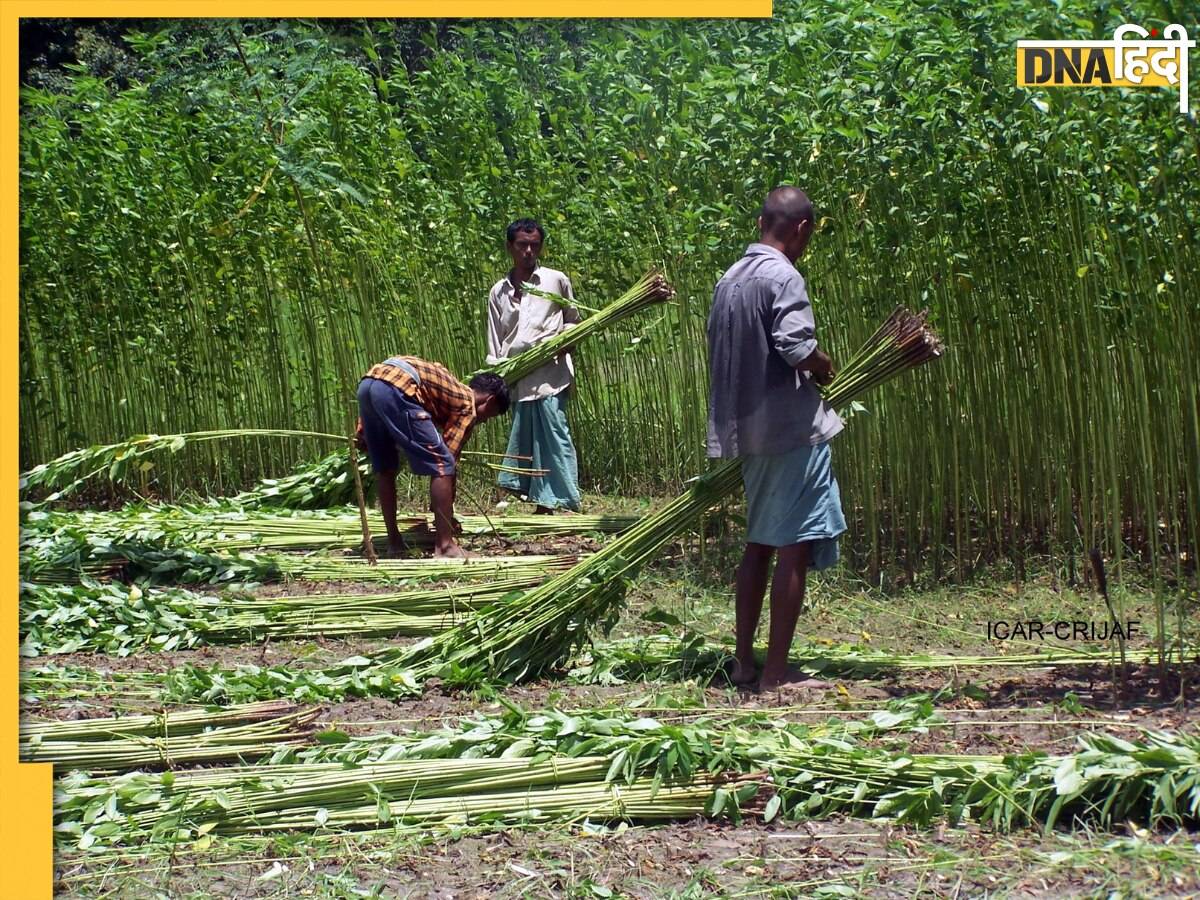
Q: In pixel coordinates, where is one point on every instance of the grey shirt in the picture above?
(760, 326)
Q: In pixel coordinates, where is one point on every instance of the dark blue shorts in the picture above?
(392, 420)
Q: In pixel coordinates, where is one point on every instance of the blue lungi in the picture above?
(393, 420)
(793, 498)
(539, 429)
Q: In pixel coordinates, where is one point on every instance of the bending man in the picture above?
(416, 406)
(765, 408)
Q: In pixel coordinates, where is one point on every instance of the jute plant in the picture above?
(540, 630)
(117, 461)
(171, 738)
(650, 289)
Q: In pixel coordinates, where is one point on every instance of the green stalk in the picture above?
(239, 732)
(120, 619)
(72, 469)
(650, 289)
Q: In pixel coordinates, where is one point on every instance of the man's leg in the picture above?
(441, 501)
(385, 461)
(750, 586)
(385, 483)
(787, 599)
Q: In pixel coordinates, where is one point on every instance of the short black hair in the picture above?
(524, 225)
(491, 383)
(784, 209)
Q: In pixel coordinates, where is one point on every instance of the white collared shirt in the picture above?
(516, 325)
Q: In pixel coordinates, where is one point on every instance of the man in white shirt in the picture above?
(517, 320)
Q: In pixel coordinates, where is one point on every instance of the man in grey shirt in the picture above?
(765, 408)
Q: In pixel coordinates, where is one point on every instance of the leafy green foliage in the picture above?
(554, 766)
(1107, 781)
(246, 239)
(110, 617)
(220, 540)
(518, 767)
(113, 618)
(63, 546)
(324, 483)
(117, 461)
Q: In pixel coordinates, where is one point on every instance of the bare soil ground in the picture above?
(836, 857)
(992, 710)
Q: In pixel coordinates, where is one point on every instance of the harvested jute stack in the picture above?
(247, 731)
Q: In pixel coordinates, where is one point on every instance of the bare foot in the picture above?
(451, 551)
(740, 673)
(397, 549)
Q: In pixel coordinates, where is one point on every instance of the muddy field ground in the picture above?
(995, 709)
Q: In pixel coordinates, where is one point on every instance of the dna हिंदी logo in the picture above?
(1133, 58)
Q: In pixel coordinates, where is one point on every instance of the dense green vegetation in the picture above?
(230, 232)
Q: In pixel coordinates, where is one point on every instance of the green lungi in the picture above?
(539, 429)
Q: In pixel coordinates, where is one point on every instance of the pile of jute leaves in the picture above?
(603, 767)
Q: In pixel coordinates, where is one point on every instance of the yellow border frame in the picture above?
(27, 870)
(447, 9)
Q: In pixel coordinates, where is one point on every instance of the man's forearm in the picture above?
(811, 362)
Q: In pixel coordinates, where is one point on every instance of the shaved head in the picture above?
(784, 209)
